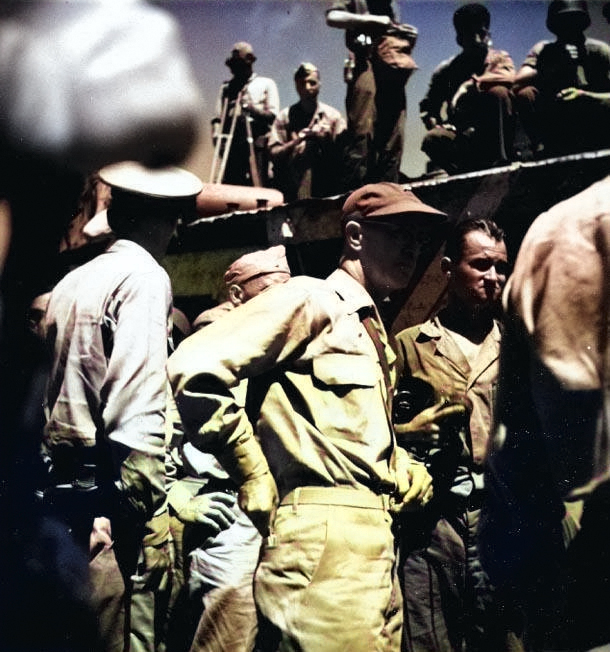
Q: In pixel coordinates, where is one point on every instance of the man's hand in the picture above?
(413, 484)
(425, 427)
(318, 131)
(156, 563)
(258, 498)
(213, 511)
(157, 567)
(570, 94)
(100, 537)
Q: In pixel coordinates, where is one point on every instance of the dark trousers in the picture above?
(110, 569)
(558, 128)
(376, 113)
(450, 604)
(485, 127)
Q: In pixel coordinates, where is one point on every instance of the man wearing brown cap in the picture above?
(245, 109)
(319, 477)
(107, 330)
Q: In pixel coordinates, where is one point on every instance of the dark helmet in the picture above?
(576, 10)
(470, 18)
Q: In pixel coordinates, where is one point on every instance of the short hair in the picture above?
(470, 18)
(304, 70)
(129, 211)
(454, 246)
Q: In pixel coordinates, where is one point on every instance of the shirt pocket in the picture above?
(346, 370)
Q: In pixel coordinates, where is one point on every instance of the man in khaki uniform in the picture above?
(320, 373)
(450, 367)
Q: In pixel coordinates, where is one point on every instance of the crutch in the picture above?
(256, 177)
(223, 141)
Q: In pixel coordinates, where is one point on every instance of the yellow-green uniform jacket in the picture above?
(321, 414)
(427, 351)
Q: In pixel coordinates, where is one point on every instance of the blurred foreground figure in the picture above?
(315, 435)
(82, 85)
(552, 442)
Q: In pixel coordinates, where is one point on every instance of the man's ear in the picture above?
(446, 266)
(236, 294)
(353, 235)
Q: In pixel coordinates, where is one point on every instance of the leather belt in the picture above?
(338, 496)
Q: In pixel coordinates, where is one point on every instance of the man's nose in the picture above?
(492, 274)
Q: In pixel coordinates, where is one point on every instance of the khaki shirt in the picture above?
(107, 327)
(427, 351)
(321, 414)
(557, 298)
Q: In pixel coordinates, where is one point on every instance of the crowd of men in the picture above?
(282, 472)
(479, 110)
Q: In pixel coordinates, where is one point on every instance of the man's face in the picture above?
(478, 278)
(391, 247)
(240, 66)
(308, 87)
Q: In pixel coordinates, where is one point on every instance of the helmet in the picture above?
(576, 9)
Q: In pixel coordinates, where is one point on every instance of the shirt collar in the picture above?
(350, 291)
(433, 329)
(128, 246)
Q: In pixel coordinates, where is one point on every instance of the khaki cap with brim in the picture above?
(163, 183)
(257, 263)
(385, 199)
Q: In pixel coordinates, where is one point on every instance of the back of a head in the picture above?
(256, 264)
(142, 195)
(573, 14)
(470, 19)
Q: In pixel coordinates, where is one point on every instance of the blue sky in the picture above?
(286, 32)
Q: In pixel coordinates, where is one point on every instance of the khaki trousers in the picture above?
(327, 581)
